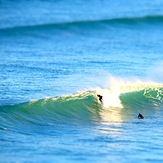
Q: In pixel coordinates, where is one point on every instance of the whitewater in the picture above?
(56, 57)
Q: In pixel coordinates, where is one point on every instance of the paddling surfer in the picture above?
(140, 116)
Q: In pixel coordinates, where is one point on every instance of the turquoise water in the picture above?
(56, 56)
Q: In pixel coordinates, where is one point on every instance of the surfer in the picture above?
(140, 116)
(100, 98)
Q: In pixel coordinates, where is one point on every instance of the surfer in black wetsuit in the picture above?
(100, 98)
(140, 116)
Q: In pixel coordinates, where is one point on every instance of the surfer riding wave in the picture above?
(100, 98)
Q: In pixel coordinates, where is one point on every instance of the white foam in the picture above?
(118, 86)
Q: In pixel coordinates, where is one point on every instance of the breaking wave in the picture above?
(82, 107)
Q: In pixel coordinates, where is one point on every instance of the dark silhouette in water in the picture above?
(140, 116)
(100, 98)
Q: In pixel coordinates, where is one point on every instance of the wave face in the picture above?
(82, 107)
(73, 108)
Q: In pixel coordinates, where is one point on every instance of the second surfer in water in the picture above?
(100, 98)
(140, 116)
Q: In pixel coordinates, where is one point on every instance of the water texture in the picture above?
(56, 56)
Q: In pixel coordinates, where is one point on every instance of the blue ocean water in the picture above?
(56, 56)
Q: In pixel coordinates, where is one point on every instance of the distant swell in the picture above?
(152, 19)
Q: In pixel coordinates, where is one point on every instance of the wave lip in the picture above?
(145, 98)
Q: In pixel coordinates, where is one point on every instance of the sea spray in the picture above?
(119, 87)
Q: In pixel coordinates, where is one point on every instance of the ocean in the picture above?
(57, 56)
